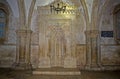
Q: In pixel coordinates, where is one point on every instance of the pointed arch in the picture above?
(116, 15)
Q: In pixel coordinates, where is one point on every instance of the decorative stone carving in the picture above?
(57, 38)
(57, 47)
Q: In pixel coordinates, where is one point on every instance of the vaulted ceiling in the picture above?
(88, 6)
(14, 4)
(91, 9)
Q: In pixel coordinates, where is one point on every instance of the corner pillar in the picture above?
(92, 53)
(23, 50)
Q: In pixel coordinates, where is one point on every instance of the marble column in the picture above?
(23, 50)
(92, 54)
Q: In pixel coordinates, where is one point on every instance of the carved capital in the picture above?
(92, 33)
(87, 32)
(23, 31)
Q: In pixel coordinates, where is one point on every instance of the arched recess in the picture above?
(97, 12)
(57, 47)
(116, 21)
(4, 22)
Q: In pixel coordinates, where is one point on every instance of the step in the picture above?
(56, 71)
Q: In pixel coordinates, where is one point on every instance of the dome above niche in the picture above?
(47, 2)
(58, 7)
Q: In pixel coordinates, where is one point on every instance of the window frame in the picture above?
(6, 10)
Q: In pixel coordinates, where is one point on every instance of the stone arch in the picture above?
(85, 12)
(116, 15)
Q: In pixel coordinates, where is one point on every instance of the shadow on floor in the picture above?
(17, 74)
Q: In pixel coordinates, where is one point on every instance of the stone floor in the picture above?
(17, 74)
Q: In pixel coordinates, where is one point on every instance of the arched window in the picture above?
(117, 22)
(4, 13)
(3, 19)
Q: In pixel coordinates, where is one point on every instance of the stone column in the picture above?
(92, 56)
(23, 50)
(88, 49)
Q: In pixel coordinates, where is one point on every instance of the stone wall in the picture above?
(7, 55)
(8, 49)
(109, 52)
(109, 49)
(110, 55)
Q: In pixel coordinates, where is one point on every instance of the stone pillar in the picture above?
(92, 56)
(88, 49)
(23, 50)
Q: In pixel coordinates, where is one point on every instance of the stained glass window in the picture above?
(2, 24)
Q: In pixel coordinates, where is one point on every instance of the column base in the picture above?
(70, 62)
(93, 67)
(22, 66)
(44, 62)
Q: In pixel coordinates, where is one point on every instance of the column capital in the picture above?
(24, 31)
(92, 33)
